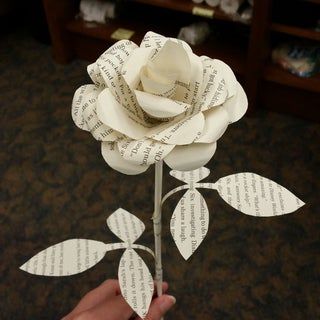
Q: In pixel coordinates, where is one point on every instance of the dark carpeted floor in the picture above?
(55, 186)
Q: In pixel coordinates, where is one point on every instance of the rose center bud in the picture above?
(158, 82)
(164, 80)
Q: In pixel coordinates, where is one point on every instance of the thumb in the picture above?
(159, 307)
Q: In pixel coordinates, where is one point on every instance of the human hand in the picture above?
(106, 303)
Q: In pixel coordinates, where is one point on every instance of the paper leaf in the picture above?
(257, 196)
(66, 258)
(125, 225)
(136, 282)
(191, 176)
(189, 222)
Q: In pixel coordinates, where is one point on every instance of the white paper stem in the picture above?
(157, 225)
(141, 247)
(205, 185)
(173, 191)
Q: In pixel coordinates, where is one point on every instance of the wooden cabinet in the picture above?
(246, 48)
(281, 90)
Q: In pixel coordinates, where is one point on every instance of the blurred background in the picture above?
(55, 185)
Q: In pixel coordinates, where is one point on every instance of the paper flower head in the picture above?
(156, 102)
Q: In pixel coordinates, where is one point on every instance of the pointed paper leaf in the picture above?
(66, 258)
(191, 176)
(257, 196)
(125, 225)
(189, 222)
(136, 282)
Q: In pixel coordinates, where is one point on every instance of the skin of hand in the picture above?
(106, 303)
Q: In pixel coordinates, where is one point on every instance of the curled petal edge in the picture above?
(112, 156)
(190, 157)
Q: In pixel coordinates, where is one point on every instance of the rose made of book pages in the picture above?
(157, 102)
(149, 104)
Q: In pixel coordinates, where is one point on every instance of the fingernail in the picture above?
(167, 303)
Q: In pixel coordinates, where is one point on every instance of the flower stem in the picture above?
(157, 225)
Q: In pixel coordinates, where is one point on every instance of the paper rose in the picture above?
(157, 101)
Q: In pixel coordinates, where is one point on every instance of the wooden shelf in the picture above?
(186, 6)
(223, 50)
(275, 74)
(232, 53)
(296, 31)
(246, 49)
(103, 31)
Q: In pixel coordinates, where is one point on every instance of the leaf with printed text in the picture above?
(189, 222)
(190, 176)
(257, 196)
(66, 258)
(125, 225)
(136, 282)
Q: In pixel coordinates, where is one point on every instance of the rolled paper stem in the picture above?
(141, 247)
(206, 185)
(173, 191)
(157, 225)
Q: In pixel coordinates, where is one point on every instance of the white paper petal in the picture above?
(228, 76)
(143, 152)
(111, 113)
(191, 176)
(172, 58)
(131, 68)
(190, 157)
(237, 105)
(257, 196)
(190, 92)
(81, 100)
(214, 90)
(136, 282)
(66, 258)
(189, 222)
(160, 107)
(125, 225)
(216, 123)
(95, 75)
(113, 158)
(174, 71)
(165, 89)
(153, 40)
(184, 44)
(163, 76)
(99, 130)
(180, 133)
(110, 64)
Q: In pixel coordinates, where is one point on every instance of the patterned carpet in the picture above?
(56, 186)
